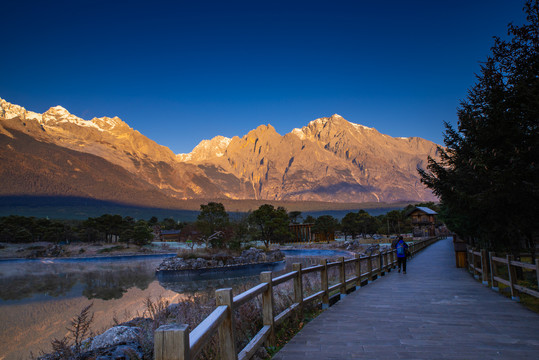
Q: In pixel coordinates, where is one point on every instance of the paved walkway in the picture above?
(436, 311)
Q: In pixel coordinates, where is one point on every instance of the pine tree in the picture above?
(488, 175)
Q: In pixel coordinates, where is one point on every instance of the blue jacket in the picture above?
(405, 248)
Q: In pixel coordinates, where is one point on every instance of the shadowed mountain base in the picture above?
(435, 311)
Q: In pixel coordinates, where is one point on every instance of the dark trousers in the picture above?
(401, 262)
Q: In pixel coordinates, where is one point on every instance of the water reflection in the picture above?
(191, 282)
(112, 285)
(39, 298)
(100, 279)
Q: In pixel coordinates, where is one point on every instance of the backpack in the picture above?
(400, 248)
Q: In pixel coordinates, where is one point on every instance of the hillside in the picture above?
(331, 160)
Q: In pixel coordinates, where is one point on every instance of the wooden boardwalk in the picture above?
(435, 311)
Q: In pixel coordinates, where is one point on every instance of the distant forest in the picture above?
(71, 208)
(213, 225)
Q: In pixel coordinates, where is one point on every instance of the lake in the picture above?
(38, 298)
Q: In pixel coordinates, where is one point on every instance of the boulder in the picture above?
(116, 335)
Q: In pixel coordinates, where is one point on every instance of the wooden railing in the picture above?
(175, 342)
(484, 266)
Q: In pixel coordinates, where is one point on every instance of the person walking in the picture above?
(402, 249)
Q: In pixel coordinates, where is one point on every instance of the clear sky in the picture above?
(184, 71)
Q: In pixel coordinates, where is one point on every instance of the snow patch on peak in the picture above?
(206, 149)
(106, 123)
(362, 127)
(299, 133)
(58, 115)
(34, 116)
(184, 157)
(222, 141)
(59, 110)
(319, 121)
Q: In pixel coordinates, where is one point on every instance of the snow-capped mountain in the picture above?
(330, 159)
(207, 149)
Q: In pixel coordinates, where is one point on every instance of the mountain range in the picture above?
(329, 160)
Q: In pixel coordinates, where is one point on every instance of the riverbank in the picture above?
(45, 250)
(40, 298)
(80, 250)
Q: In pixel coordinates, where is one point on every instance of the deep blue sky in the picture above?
(184, 71)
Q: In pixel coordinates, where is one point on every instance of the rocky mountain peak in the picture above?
(330, 159)
(10, 111)
(262, 131)
(58, 115)
(207, 149)
(107, 124)
(58, 111)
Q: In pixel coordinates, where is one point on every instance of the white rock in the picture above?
(115, 336)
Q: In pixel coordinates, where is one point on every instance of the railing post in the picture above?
(298, 289)
(484, 266)
(342, 277)
(380, 264)
(475, 272)
(171, 342)
(227, 345)
(512, 278)
(324, 283)
(386, 261)
(493, 271)
(537, 271)
(358, 270)
(267, 306)
(369, 268)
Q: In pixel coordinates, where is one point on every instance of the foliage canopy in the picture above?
(488, 175)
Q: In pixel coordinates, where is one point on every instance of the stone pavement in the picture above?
(435, 311)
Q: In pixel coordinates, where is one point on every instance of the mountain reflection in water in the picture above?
(95, 280)
(39, 298)
(194, 281)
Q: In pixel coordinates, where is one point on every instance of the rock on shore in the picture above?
(250, 256)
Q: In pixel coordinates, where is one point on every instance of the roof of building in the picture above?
(170, 232)
(426, 210)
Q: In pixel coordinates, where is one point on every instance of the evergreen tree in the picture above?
(349, 225)
(270, 224)
(488, 174)
(326, 225)
(212, 219)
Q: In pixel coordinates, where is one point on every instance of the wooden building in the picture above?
(423, 221)
(170, 235)
(302, 232)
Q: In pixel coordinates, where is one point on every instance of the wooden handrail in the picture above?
(249, 294)
(284, 278)
(253, 345)
(499, 260)
(487, 268)
(334, 287)
(312, 269)
(523, 265)
(200, 336)
(314, 296)
(285, 314)
(174, 342)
